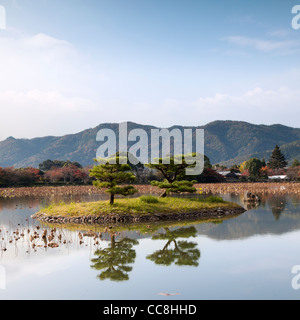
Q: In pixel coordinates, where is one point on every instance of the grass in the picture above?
(210, 199)
(137, 206)
(149, 199)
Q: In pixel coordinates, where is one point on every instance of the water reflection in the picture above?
(183, 253)
(262, 249)
(274, 214)
(252, 205)
(278, 205)
(116, 259)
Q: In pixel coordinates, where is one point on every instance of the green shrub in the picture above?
(149, 199)
(214, 199)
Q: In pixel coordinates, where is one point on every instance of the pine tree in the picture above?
(110, 176)
(277, 159)
(174, 173)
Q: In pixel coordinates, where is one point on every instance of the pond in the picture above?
(247, 257)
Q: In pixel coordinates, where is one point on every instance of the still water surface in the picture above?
(247, 257)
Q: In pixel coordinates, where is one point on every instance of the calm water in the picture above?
(247, 257)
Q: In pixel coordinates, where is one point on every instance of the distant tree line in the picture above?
(11, 177)
(50, 164)
(58, 172)
(49, 172)
(255, 169)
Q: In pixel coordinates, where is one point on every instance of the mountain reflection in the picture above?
(274, 215)
(183, 253)
(115, 259)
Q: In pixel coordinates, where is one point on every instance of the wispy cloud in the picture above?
(44, 83)
(280, 33)
(267, 46)
(257, 105)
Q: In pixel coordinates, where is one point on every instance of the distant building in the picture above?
(278, 177)
(224, 173)
(230, 176)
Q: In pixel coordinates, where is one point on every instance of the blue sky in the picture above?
(69, 65)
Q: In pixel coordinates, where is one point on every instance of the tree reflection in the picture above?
(277, 205)
(115, 259)
(183, 253)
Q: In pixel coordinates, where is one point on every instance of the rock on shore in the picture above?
(127, 218)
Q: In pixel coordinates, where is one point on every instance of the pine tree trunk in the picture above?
(164, 194)
(112, 198)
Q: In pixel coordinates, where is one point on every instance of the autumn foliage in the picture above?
(69, 174)
(23, 176)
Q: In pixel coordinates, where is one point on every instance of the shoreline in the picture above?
(120, 218)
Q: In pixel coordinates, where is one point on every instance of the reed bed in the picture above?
(47, 191)
(263, 188)
(33, 239)
(41, 192)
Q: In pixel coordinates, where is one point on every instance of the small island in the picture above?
(113, 178)
(142, 209)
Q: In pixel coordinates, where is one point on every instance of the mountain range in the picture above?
(226, 142)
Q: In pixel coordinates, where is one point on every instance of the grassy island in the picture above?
(145, 208)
